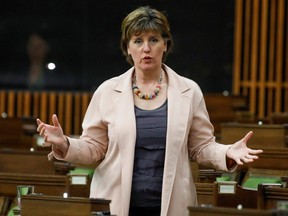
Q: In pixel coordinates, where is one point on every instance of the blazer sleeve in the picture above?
(92, 144)
(201, 141)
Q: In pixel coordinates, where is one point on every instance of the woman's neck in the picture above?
(148, 77)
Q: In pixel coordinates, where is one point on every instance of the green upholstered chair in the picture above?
(254, 181)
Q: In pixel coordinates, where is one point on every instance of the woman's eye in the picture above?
(154, 40)
(137, 41)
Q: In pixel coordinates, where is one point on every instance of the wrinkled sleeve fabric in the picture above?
(201, 142)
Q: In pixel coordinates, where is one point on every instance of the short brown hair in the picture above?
(141, 20)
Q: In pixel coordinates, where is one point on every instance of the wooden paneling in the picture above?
(260, 55)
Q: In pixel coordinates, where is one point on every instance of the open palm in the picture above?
(240, 153)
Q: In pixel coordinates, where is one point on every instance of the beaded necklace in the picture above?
(146, 96)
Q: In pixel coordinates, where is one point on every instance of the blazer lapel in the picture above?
(126, 131)
(178, 113)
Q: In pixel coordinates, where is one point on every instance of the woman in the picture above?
(145, 125)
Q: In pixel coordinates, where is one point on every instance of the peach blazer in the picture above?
(109, 134)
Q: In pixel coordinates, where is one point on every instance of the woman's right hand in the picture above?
(53, 135)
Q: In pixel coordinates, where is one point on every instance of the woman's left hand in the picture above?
(240, 153)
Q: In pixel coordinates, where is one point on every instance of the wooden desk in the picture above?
(266, 136)
(16, 133)
(245, 197)
(279, 118)
(56, 205)
(204, 193)
(46, 184)
(269, 196)
(274, 159)
(221, 211)
(25, 161)
(23, 167)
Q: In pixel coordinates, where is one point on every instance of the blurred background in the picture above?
(81, 39)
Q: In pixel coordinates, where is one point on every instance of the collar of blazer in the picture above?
(175, 81)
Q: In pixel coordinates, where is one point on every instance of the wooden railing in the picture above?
(70, 107)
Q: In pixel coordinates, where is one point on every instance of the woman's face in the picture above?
(147, 50)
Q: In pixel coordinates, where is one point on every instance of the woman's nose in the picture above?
(146, 47)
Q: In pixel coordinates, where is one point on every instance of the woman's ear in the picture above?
(165, 45)
(128, 50)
